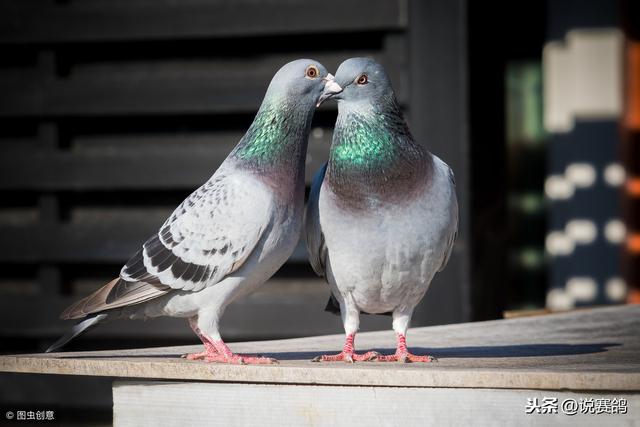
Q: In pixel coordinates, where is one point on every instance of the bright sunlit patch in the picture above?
(582, 175)
(557, 187)
(614, 174)
(583, 77)
(582, 231)
(558, 243)
(615, 231)
(582, 289)
(616, 289)
(559, 299)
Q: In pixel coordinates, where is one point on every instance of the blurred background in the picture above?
(113, 111)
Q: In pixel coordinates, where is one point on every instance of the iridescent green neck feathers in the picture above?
(362, 140)
(275, 145)
(373, 155)
(277, 129)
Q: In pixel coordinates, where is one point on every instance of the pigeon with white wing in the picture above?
(231, 234)
(382, 213)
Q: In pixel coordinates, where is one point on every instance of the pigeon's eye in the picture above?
(312, 72)
(362, 80)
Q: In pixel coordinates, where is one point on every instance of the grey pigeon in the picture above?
(231, 234)
(382, 215)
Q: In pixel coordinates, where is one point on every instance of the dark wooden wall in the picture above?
(111, 112)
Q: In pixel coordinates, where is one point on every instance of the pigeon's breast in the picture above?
(387, 257)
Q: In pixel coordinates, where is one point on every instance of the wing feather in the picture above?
(207, 237)
(315, 239)
(115, 294)
(454, 233)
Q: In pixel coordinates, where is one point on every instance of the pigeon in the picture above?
(231, 234)
(382, 215)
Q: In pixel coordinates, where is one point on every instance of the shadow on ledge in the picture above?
(519, 350)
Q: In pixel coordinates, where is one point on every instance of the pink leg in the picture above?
(209, 348)
(348, 354)
(217, 351)
(402, 354)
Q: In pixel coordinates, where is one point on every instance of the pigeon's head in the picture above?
(360, 79)
(303, 79)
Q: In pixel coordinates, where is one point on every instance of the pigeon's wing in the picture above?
(454, 233)
(315, 239)
(117, 293)
(207, 237)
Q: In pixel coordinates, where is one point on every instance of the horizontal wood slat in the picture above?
(187, 87)
(150, 168)
(106, 241)
(95, 20)
(265, 313)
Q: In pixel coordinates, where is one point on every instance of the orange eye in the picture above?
(363, 80)
(312, 72)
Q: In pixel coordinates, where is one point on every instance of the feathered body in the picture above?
(382, 216)
(258, 192)
(232, 233)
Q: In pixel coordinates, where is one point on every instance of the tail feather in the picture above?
(77, 330)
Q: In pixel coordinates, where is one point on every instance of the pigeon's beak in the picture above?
(331, 88)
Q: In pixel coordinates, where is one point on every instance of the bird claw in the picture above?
(406, 357)
(259, 360)
(221, 358)
(232, 359)
(196, 356)
(370, 356)
(351, 357)
(236, 359)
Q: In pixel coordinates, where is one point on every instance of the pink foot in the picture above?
(233, 359)
(198, 356)
(406, 357)
(218, 352)
(347, 357)
(225, 355)
(347, 354)
(237, 359)
(403, 355)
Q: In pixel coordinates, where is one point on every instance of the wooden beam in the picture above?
(49, 276)
(108, 241)
(88, 21)
(266, 313)
(184, 163)
(166, 87)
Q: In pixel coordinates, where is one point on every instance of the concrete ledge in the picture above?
(597, 349)
(153, 403)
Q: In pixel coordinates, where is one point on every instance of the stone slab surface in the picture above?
(169, 404)
(594, 349)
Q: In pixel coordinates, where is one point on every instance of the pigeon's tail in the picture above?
(78, 329)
